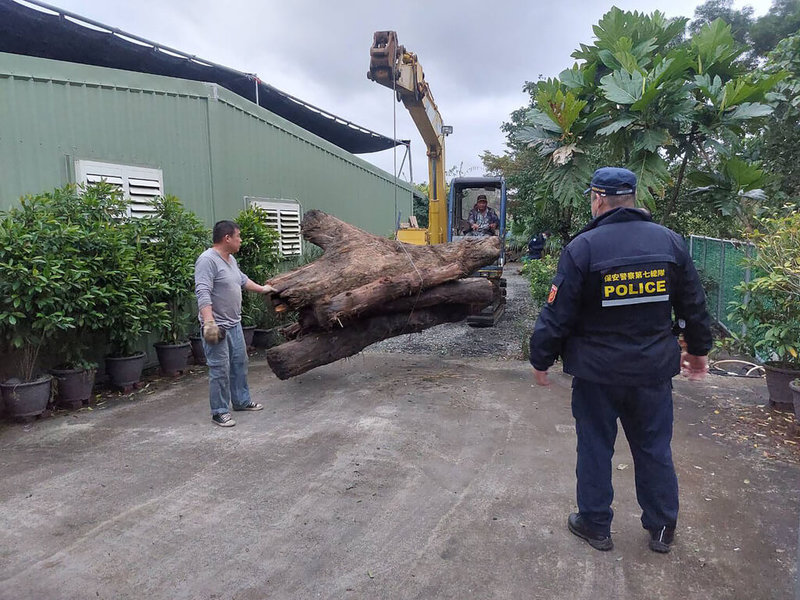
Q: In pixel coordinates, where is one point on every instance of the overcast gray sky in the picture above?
(477, 55)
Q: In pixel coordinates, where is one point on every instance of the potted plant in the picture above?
(34, 283)
(177, 239)
(770, 309)
(133, 284)
(267, 333)
(89, 215)
(258, 258)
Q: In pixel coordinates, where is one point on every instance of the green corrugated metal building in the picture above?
(62, 122)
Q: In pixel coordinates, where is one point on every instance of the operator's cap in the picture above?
(481, 197)
(612, 181)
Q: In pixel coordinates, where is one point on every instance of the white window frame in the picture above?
(287, 216)
(136, 183)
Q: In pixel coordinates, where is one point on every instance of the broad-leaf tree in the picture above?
(647, 99)
(781, 140)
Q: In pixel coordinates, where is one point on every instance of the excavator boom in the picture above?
(394, 67)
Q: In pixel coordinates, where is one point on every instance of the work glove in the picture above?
(212, 333)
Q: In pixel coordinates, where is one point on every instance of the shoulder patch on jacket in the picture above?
(554, 288)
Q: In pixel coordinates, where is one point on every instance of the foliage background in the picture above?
(705, 111)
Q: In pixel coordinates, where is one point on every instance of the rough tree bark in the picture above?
(475, 292)
(365, 288)
(316, 349)
(353, 258)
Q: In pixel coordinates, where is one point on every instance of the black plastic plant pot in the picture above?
(173, 358)
(73, 386)
(249, 331)
(28, 399)
(778, 377)
(126, 371)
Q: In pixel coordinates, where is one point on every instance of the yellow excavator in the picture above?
(393, 66)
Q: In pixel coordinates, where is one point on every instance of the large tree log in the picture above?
(361, 299)
(317, 349)
(476, 292)
(353, 259)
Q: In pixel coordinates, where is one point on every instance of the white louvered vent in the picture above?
(141, 192)
(138, 184)
(283, 215)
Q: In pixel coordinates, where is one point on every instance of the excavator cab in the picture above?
(463, 197)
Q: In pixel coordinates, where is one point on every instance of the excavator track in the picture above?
(491, 314)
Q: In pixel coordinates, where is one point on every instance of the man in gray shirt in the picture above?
(218, 285)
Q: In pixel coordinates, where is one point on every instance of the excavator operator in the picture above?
(482, 219)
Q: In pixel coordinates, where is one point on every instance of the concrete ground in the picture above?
(388, 475)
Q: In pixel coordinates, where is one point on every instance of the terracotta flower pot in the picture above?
(28, 399)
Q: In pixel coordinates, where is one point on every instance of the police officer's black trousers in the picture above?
(646, 416)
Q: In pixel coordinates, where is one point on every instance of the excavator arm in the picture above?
(394, 67)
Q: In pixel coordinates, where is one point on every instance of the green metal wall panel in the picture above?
(54, 113)
(254, 156)
(213, 147)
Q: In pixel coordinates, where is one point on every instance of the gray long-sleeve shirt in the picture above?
(219, 283)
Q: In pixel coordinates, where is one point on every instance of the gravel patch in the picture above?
(506, 340)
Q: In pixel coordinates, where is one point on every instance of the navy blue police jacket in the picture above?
(610, 308)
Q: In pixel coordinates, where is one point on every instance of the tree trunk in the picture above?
(354, 258)
(349, 304)
(673, 201)
(314, 350)
(366, 288)
(474, 291)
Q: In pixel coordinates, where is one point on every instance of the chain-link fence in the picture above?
(719, 263)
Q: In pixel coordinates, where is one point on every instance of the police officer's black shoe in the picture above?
(661, 539)
(578, 526)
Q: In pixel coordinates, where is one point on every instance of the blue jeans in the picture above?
(646, 416)
(227, 371)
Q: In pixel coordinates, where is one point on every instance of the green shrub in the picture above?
(540, 274)
(91, 219)
(770, 308)
(258, 258)
(36, 277)
(66, 265)
(135, 286)
(176, 238)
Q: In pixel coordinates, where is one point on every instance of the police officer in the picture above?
(609, 317)
(536, 245)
